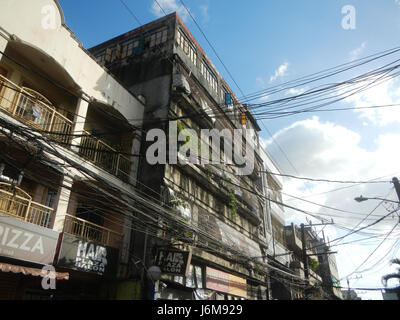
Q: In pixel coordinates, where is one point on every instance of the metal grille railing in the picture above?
(91, 232)
(34, 109)
(104, 156)
(23, 208)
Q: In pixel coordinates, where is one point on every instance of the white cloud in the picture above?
(355, 54)
(263, 98)
(260, 82)
(204, 13)
(385, 93)
(168, 6)
(280, 72)
(295, 91)
(330, 151)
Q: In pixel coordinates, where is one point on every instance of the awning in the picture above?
(5, 267)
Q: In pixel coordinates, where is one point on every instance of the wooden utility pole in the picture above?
(396, 186)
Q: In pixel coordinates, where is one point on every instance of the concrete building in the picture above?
(67, 174)
(78, 194)
(320, 270)
(233, 249)
(350, 295)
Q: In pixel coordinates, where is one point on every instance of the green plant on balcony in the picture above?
(180, 127)
(233, 204)
(313, 264)
(178, 200)
(188, 234)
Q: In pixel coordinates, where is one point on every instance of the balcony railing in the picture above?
(19, 204)
(103, 155)
(35, 110)
(91, 232)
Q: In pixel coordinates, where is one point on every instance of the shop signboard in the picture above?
(87, 256)
(174, 262)
(26, 241)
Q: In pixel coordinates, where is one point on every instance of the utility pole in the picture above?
(348, 284)
(396, 186)
(304, 247)
(304, 250)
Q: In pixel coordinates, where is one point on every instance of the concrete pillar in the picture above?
(135, 150)
(3, 45)
(79, 123)
(62, 206)
(124, 258)
(126, 241)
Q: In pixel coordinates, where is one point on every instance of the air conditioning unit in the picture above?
(180, 84)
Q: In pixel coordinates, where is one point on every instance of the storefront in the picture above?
(185, 279)
(25, 249)
(93, 268)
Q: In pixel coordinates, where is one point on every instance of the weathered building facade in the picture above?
(228, 214)
(67, 178)
(313, 260)
(75, 179)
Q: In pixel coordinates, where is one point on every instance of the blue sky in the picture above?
(265, 43)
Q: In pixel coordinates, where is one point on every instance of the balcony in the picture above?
(314, 277)
(19, 205)
(35, 110)
(91, 232)
(293, 238)
(105, 156)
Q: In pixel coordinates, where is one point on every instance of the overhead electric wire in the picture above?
(323, 180)
(369, 256)
(373, 210)
(183, 223)
(160, 120)
(294, 83)
(212, 47)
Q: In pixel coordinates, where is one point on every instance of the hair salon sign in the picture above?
(174, 262)
(83, 255)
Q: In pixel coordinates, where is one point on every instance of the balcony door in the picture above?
(3, 71)
(92, 214)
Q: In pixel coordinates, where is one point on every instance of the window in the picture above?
(89, 213)
(101, 58)
(209, 76)
(187, 47)
(158, 37)
(194, 278)
(125, 49)
(226, 97)
(50, 198)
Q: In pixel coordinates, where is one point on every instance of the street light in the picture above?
(362, 199)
